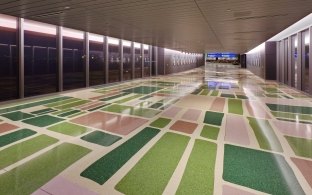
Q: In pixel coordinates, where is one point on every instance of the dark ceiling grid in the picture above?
(190, 25)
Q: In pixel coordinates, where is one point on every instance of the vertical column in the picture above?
(299, 61)
(106, 58)
(310, 61)
(87, 58)
(60, 57)
(142, 60)
(286, 61)
(289, 51)
(121, 59)
(133, 60)
(21, 56)
(278, 65)
(282, 61)
(150, 59)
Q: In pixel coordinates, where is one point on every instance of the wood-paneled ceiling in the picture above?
(187, 25)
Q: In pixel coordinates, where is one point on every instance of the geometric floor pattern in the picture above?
(212, 130)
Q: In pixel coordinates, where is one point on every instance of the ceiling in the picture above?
(185, 25)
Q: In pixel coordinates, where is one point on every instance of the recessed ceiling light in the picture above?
(67, 7)
(228, 10)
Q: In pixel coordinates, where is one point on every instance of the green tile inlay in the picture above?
(152, 173)
(160, 122)
(63, 102)
(215, 93)
(31, 175)
(235, 106)
(18, 115)
(156, 105)
(227, 95)
(61, 111)
(68, 129)
(43, 111)
(73, 104)
(210, 132)
(114, 97)
(301, 146)
(123, 109)
(242, 97)
(69, 113)
(271, 90)
(101, 138)
(272, 95)
(198, 177)
(21, 150)
(213, 118)
(292, 109)
(32, 104)
(204, 92)
(292, 116)
(265, 135)
(262, 171)
(43, 121)
(143, 89)
(74, 115)
(15, 136)
(128, 99)
(146, 97)
(104, 168)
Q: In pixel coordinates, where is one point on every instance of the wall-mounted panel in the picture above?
(127, 62)
(96, 61)
(113, 61)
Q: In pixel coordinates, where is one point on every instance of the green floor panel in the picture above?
(265, 135)
(198, 177)
(24, 149)
(114, 97)
(160, 123)
(204, 92)
(68, 113)
(60, 103)
(68, 129)
(242, 97)
(291, 109)
(43, 121)
(235, 106)
(104, 168)
(43, 111)
(128, 99)
(15, 136)
(215, 93)
(73, 104)
(101, 138)
(32, 104)
(262, 171)
(16, 116)
(301, 146)
(154, 170)
(28, 177)
(292, 116)
(156, 105)
(61, 111)
(143, 89)
(227, 95)
(77, 114)
(143, 112)
(213, 118)
(273, 95)
(293, 120)
(210, 132)
(146, 97)
(271, 90)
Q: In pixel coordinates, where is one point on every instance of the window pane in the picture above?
(73, 63)
(113, 63)
(96, 63)
(127, 65)
(147, 67)
(8, 64)
(40, 63)
(138, 63)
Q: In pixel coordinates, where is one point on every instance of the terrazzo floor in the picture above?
(212, 130)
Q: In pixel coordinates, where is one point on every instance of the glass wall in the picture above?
(8, 58)
(147, 67)
(74, 75)
(40, 60)
(294, 61)
(127, 62)
(138, 61)
(96, 60)
(114, 60)
(305, 60)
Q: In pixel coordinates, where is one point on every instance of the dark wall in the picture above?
(270, 60)
(243, 60)
(161, 61)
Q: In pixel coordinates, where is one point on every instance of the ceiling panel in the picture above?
(188, 25)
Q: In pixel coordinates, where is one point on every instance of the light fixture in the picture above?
(72, 33)
(96, 38)
(39, 27)
(8, 21)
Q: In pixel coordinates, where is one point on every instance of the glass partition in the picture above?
(74, 75)
(294, 61)
(147, 68)
(113, 60)
(138, 61)
(305, 60)
(40, 61)
(96, 60)
(8, 58)
(127, 62)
